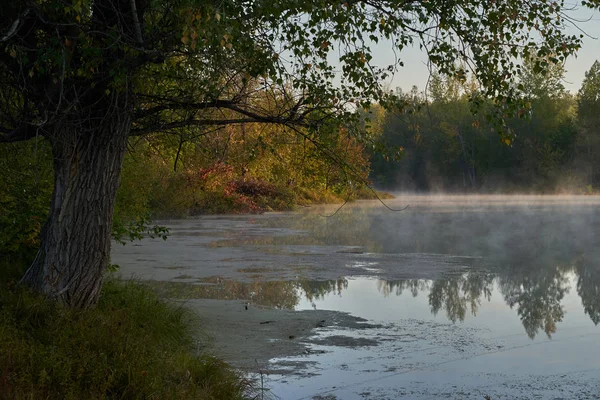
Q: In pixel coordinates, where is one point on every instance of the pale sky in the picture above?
(415, 70)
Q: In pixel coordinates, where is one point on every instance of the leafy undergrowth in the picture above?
(131, 346)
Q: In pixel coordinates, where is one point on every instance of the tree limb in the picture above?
(192, 122)
(136, 23)
(14, 27)
(21, 133)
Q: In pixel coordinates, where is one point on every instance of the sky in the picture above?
(415, 70)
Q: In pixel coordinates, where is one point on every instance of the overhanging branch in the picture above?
(190, 123)
(21, 133)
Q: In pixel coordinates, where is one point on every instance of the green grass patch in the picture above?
(133, 345)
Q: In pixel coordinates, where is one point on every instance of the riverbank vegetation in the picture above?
(448, 149)
(240, 169)
(132, 345)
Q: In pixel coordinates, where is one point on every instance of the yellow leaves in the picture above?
(185, 39)
(506, 141)
(226, 41)
(218, 17)
(30, 73)
(361, 58)
(78, 18)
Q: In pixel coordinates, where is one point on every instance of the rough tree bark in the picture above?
(75, 242)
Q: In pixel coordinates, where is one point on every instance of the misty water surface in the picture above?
(513, 311)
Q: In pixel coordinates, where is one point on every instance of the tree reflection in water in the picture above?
(537, 296)
(535, 293)
(588, 288)
(276, 294)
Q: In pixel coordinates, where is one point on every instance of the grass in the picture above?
(132, 345)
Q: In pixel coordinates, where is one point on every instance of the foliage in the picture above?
(588, 108)
(137, 230)
(242, 169)
(25, 189)
(446, 148)
(133, 345)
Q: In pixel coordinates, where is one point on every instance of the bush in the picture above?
(132, 346)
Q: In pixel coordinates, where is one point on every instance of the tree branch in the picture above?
(136, 23)
(183, 106)
(193, 122)
(21, 133)
(14, 27)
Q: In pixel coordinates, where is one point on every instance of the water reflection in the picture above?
(536, 295)
(275, 294)
(588, 289)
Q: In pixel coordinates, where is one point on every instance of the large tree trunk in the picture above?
(76, 238)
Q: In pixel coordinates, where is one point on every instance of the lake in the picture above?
(452, 297)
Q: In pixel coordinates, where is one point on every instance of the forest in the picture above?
(552, 148)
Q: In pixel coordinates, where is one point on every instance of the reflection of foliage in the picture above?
(317, 290)
(398, 287)
(537, 296)
(277, 294)
(536, 293)
(457, 295)
(588, 288)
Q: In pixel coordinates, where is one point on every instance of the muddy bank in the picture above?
(248, 336)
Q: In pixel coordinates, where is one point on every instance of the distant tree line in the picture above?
(553, 146)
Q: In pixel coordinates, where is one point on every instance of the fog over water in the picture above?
(519, 288)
